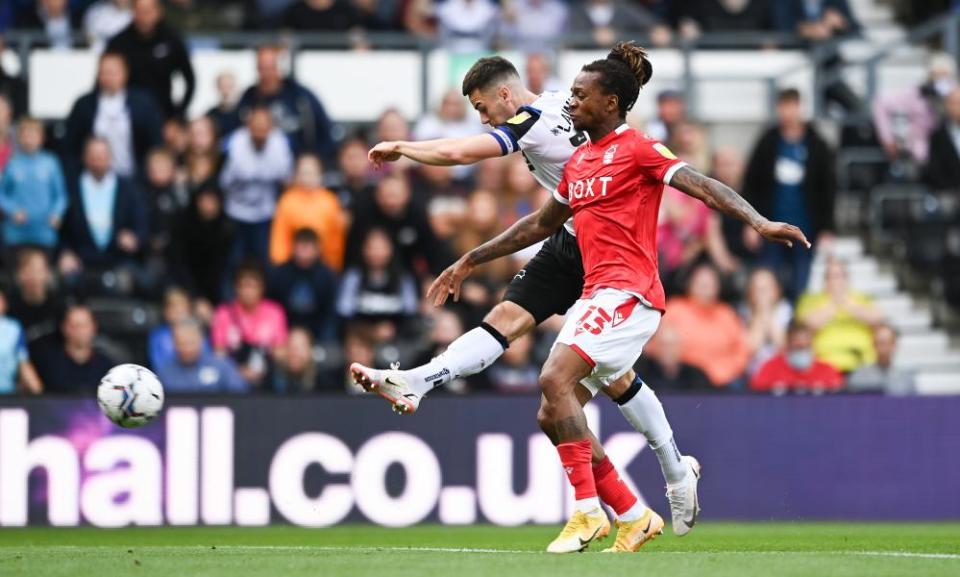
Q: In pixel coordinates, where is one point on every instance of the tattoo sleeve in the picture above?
(528, 230)
(716, 195)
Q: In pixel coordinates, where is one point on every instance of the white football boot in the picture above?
(391, 384)
(684, 503)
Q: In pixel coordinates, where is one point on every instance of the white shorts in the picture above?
(609, 330)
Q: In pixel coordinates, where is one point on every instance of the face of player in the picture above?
(494, 105)
(590, 106)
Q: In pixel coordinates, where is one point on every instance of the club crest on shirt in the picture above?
(608, 155)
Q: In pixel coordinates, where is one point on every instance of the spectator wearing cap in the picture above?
(796, 369)
(882, 376)
(155, 54)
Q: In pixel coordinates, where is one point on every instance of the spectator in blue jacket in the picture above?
(195, 370)
(295, 109)
(306, 287)
(106, 224)
(126, 117)
(160, 346)
(16, 371)
(32, 193)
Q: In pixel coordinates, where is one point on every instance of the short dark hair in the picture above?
(306, 235)
(487, 71)
(788, 95)
(797, 326)
(249, 269)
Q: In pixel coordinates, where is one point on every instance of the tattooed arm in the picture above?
(719, 196)
(527, 231)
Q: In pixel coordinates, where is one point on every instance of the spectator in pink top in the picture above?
(250, 329)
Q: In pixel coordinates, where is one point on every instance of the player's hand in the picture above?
(449, 281)
(783, 233)
(384, 152)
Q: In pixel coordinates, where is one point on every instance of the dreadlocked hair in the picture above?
(623, 72)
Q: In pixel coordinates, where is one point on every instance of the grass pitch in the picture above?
(713, 549)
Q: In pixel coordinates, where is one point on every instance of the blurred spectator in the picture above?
(53, 18)
(465, 25)
(450, 120)
(307, 204)
(194, 369)
(606, 21)
(175, 138)
(160, 346)
(696, 17)
(357, 347)
(258, 163)
(391, 125)
(16, 371)
(671, 111)
(13, 88)
(321, 16)
(203, 236)
(7, 139)
(104, 20)
(483, 223)
(842, 320)
(124, 116)
(943, 169)
(356, 183)
(743, 242)
(155, 53)
(529, 25)
(821, 22)
(766, 314)
(33, 195)
(306, 287)
(688, 233)
(796, 368)
(378, 290)
(540, 75)
(73, 364)
(689, 141)
(34, 300)
(106, 225)
(405, 221)
(165, 197)
(663, 369)
(516, 372)
(224, 114)
(905, 119)
(250, 329)
(204, 155)
(790, 178)
(297, 373)
(700, 317)
(296, 111)
(882, 376)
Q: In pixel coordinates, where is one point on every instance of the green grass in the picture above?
(714, 549)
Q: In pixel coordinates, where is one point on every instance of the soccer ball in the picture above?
(130, 395)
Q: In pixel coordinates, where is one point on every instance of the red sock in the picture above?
(611, 488)
(576, 458)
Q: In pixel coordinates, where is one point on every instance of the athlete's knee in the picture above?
(510, 320)
(618, 388)
(546, 422)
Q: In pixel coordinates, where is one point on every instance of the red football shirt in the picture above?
(613, 187)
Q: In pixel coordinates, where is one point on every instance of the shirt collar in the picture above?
(612, 135)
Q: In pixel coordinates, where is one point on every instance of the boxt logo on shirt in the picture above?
(585, 188)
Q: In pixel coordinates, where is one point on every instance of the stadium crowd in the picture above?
(277, 255)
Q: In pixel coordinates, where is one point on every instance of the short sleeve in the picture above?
(657, 161)
(510, 133)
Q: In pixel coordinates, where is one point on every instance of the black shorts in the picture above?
(552, 281)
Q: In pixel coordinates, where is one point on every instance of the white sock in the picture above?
(590, 506)
(634, 513)
(469, 354)
(645, 413)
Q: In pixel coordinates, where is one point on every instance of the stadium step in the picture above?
(938, 383)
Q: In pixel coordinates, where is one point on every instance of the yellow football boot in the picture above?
(581, 530)
(631, 535)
